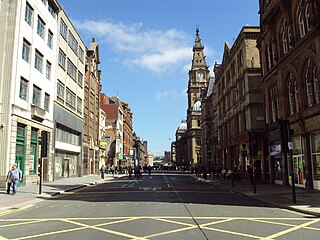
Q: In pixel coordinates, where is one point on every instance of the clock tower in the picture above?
(198, 79)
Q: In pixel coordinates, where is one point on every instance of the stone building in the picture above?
(208, 135)
(28, 50)
(90, 142)
(198, 79)
(181, 145)
(127, 135)
(239, 119)
(290, 55)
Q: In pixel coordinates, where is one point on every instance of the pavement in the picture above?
(307, 201)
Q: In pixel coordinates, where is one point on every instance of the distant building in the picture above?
(181, 145)
(239, 119)
(198, 79)
(114, 122)
(90, 143)
(127, 135)
(104, 140)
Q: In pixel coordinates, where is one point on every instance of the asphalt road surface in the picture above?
(160, 207)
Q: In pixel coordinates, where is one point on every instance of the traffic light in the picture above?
(39, 166)
(44, 144)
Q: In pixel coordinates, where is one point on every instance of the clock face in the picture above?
(201, 75)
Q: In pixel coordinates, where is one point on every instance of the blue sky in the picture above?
(146, 52)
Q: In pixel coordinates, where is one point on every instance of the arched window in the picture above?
(289, 38)
(307, 16)
(312, 83)
(292, 94)
(286, 37)
(302, 30)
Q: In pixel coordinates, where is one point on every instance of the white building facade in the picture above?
(28, 36)
(68, 101)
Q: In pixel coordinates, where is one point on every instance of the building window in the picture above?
(38, 61)
(60, 91)
(70, 99)
(81, 54)
(41, 27)
(312, 83)
(62, 59)
(48, 70)
(274, 103)
(63, 29)
(289, 37)
(28, 14)
(307, 15)
(72, 70)
(26, 51)
(51, 10)
(36, 97)
(292, 94)
(46, 102)
(80, 78)
(23, 92)
(73, 43)
(284, 37)
(302, 30)
(50, 39)
(79, 105)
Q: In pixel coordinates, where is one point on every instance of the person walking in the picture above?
(14, 176)
(102, 171)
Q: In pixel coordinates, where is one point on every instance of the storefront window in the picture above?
(315, 145)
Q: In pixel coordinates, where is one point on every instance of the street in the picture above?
(160, 206)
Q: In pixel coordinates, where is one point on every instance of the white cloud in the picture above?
(156, 50)
(161, 96)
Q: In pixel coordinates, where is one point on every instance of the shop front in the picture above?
(277, 166)
(315, 155)
(298, 161)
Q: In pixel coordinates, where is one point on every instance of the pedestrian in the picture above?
(102, 171)
(14, 176)
(130, 171)
(149, 170)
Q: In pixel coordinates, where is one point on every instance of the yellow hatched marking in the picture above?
(51, 233)
(230, 232)
(274, 223)
(290, 230)
(106, 230)
(22, 223)
(175, 222)
(168, 232)
(14, 210)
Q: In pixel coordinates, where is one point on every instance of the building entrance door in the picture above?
(298, 170)
(20, 164)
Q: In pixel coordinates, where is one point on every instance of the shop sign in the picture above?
(275, 150)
